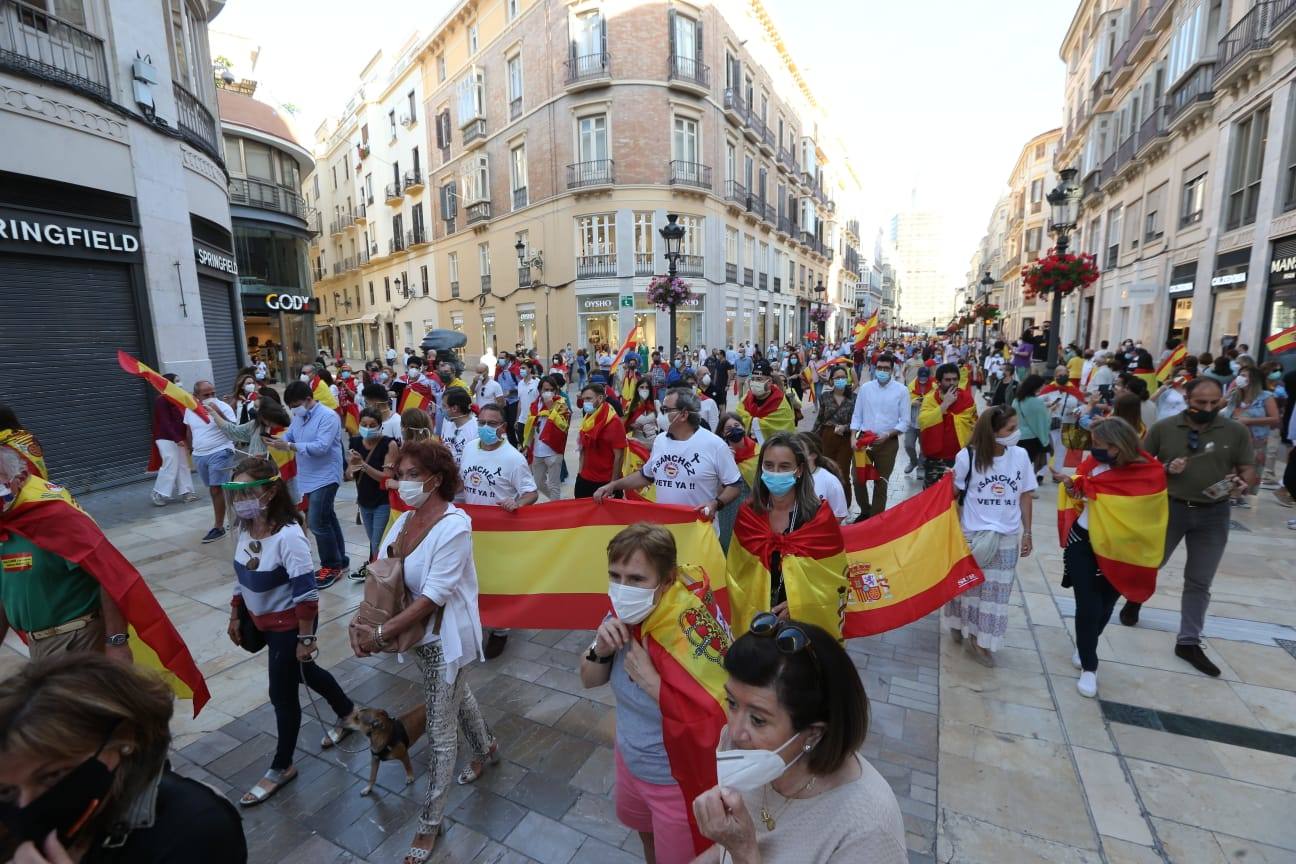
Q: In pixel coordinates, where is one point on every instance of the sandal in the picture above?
(477, 767)
(258, 794)
(337, 733)
(415, 855)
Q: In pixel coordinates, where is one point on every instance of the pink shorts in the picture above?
(658, 810)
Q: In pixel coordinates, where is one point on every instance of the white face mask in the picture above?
(249, 387)
(1011, 439)
(412, 492)
(749, 770)
(632, 604)
(706, 380)
(643, 392)
(760, 388)
(305, 377)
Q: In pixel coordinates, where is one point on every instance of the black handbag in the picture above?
(251, 639)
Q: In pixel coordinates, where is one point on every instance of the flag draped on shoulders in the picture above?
(813, 563)
(592, 424)
(773, 412)
(1128, 516)
(687, 638)
(48, 517)
(557, 419)
(1066, 389)
(906, 562)
(321, 393)
(636, 454)
(25, 445)
(945, 432)
(747, 454)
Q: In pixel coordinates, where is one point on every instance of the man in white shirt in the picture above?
(391, 356)
(460, 425)
(213, 452)
(688, 465)
(881, 407)
(528, 390)
(376, 397)
(486, 390)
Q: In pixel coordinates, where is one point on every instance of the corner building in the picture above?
(574, 129)
(114, 224)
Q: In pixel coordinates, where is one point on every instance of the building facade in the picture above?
(114, 223)
(1025, 237)
(271, 234)
(576, 157)
(916, 236)
(1179, 117)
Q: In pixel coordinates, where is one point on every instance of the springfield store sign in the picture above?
(50, 234)
(213, 259)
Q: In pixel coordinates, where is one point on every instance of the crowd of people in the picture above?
(714, 430)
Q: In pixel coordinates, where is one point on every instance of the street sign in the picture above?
(627, 301)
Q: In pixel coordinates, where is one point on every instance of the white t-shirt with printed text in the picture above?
(993, 496)
(690, 472)
(492, 476)
(829, 488)
(457, 437)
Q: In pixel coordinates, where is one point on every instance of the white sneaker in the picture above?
(1088, 684)
(1291, 523)
(1075, 660)
(1270, 484)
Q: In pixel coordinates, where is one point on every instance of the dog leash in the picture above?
(301, 674)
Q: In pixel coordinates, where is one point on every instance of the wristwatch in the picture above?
(117, 639)
(593, 656)
(306, 640)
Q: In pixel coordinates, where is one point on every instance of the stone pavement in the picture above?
(1026, 769)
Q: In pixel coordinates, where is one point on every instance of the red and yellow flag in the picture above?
(636, 454)
(348, 410)
(746, 454)
(554, 434)
(1166, 369)
(687, 638)
(416, 395)
(813, 561)
(1128, 515)
(1283, 340)
(1149, 378)
(285, 460)
(321, 393)
(864, 330)
(631, 344)
(865, 470)
(178, 395)
(592, 423)
(26, 445)
(47, 516)
(906, 562)
(774, 413)
(543, 566)
(944, 433)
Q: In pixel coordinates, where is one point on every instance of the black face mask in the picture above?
(445, 377)
(1062, 379)
(1197, 415)
(65, 807)
(734, 434)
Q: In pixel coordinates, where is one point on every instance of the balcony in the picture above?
(766, 144)
(591, 174)
(1282, 20)
(769, 214)
(784, 226)
(317, 274)
(361, 214)
(413, 182)
(396, 244)
(731, 272)
(1125, 152)
(755, 128)
(595, 266)
(485, 283)
(588, 70)
(479, 211)
(1101, 89)
(266, 196)
(643, 262)
(362, 258)
(348, 263)
(42, 46)
(395, 196)
(418, 236)
(520, 198)
(315, 222)
(515, 109)
(806, 239)
(336, 228)
(689, 174)
(688, 73)
(786, 161)
(474, 131)
(1109, 168)
(689, 265)
(196, 124)
(1092, 183)
(338, 268)
(734, 108)
(1152, 129)
(1192, 95)
(737, 194)
(1242, 45)
(748, 278)
(1144, 33)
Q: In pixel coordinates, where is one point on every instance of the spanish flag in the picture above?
(46, 516)
(181, 397)
(636, 455)
(1128, 515)
(864, 330)
(774, 413)
(321, 393)
(632, 343)
(348, 411)
(1283, 340)
(943, 433)
(906, 562)
(1166, 369)
(687, 639)
(543, 566)
(865, 470)
(813, 561)
(554, 434)
(285, 460)
(592, 423)
(1069, 390)
(917, 390)
(416, 395)
(1149, 378)
(747, 454)
(628, 386)
(26, 445)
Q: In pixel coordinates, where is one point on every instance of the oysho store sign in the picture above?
(60, 235)
(605, 303)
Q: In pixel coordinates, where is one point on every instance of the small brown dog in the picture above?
(389, 738)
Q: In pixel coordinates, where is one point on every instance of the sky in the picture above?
(933, 98)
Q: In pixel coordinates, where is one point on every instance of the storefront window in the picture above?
(598, 321)
(488, 332)
(1226, 317)
(268, 258)
(526, 325)
(1180, 316)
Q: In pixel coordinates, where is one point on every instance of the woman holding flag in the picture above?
(544, 437)
(1112, 520)
(668, 685)
(832, 423)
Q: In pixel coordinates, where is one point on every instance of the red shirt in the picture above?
(601, 450)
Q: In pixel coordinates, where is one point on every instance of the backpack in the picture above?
(385, 596)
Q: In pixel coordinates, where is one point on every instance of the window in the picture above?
(449, 201)
(1246, 161)
(398, 232)
(1133, 224)
(1039, 153)
(731, 161)
(371, 295)
(472, 38)
(693, 226)
(1186, 43)
(443, 134)
(188, 32)
(592, 138)
(1113, 235)
(731, 254)
(413, 107)
(441, 68)
(596, 235)
(1034, 237)
(233, 155)
(512, 8)
(1289, 189)
(387, 288)
(471, 94)
(1037, 189)
(475, 184)
(483, 258)
(684, 144)
(423, 276)
(1153, 221)
(762, 259)
(686, 44)
(515, 84)
(1192, 201)
(332, 169)
(518, 175)
(315, 181)
(452, 267)
(368, 188)
(1091, 237)
(416, 222)
(780, 131)
(588, 41)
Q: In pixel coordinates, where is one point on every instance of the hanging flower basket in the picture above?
(664, 291)
(986, 312)
(1061, 273)
(820, 313)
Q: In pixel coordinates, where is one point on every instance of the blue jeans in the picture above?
(324, 525)
(375, 523)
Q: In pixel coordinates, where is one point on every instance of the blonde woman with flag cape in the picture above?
(787, 554)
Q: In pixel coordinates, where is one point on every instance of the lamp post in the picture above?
(821, 296)
(526, 262)
(987, 284)
(673, 234)
(1064, 204)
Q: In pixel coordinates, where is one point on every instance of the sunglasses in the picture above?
(254, 552)
(788, 638)
(1194, 440)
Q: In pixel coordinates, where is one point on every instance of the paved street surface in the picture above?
(990, 765)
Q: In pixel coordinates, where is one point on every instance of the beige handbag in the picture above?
(385, 596)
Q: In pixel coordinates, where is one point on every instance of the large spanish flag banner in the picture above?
(687, 638)
(1168, 365)
(906, 562)
(1283, 340)
(545, 566)
(180, 396)
(1128, 515)
(46, 516)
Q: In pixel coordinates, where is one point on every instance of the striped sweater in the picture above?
(280, 591)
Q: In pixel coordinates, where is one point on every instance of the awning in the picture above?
(363, 319)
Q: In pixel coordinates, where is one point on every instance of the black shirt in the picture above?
(368, 492)
(191, 824)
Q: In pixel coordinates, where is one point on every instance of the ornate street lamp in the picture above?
(987, 285)
(673, 234)
(821, 308)
(1064, 204)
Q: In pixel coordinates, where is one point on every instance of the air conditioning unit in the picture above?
(407, 120)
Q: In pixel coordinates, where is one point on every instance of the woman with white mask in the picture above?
(642, 577)
(993, 480)
(792, 787)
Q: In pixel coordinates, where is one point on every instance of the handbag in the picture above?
(984, 546)
(251, 639)
(1075, 437)
(385, 596)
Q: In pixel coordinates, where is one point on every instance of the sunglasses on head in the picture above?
(789, 638)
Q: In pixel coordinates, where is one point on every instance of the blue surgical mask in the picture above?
(1275, 376)
(367, 432)
(1103, 456)
(839, 383)
(778, 483)
(299, 412)
(882, 377)
(346, 375)
(588, 406)
(487, 435)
